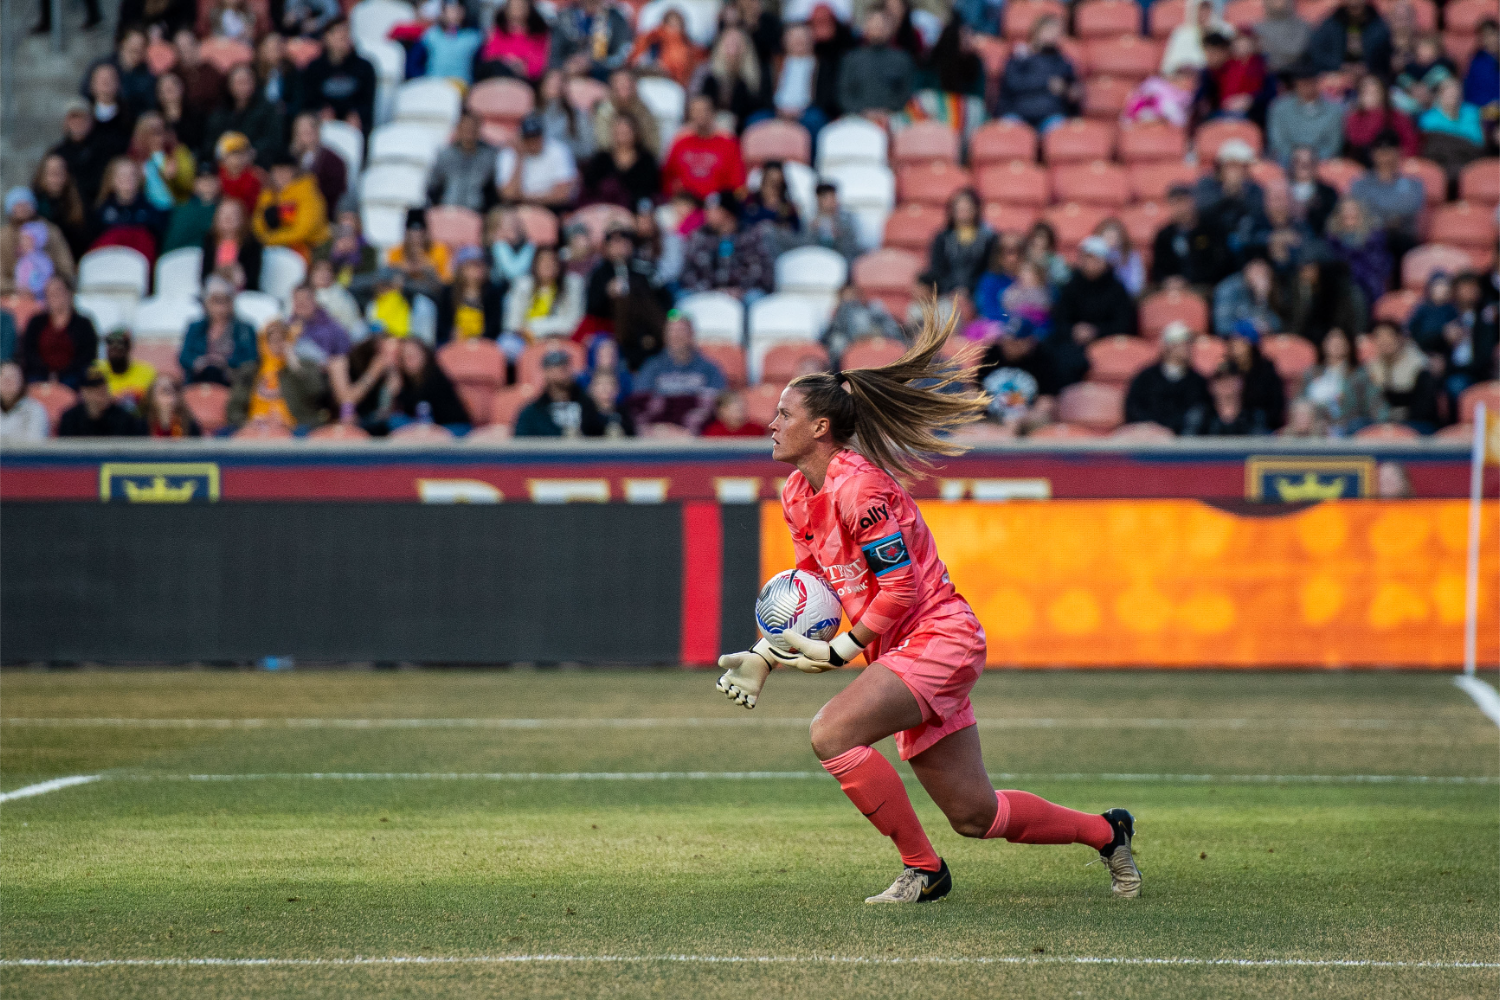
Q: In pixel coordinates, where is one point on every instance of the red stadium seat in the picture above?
(731, 361)
(490, 434)
(998, 142)
(1315, 12)
(1397, 306)
(993, 52)
(1468, 227)
(421, 432)
(1480, 182)
(1292, 355)
(584, 92)
(1160, 308)
(1244, 15)
(1096, 183)
(912, 226)
(924, 142)
(1434, 179)
(1020, 15)
(1005, 218)
(1142, 432)
(1487, 393)
(340, 432)
(888, 275)
(1208, 354)
(1152, 181)
(1117, 360)
(473, 361)
(208, 403)
(1165, 15)
(265, 430)
(1460, 47)
(1127, 56)
(1425, 11)
(775, 140)
(455, 226)
(540, 225)
(597, 219)
(784, 362)
(501, 99)
(1104, 97)
(872, 352)
(1466, 15)
(1152, 142)
(301, 51)
(1106, 19)
(1092, 405)
(1212, 135)
(1268, 174)
(58, 399)
(985, 430)
(1142, 221)
(529, 364)
(931, 183)
(1340, 174)
(1418, 265)
(499, 134)
(510, 400)
(1079, 140)
(1387, 432)
(161, 355)
(1015, 183)
(1063, 431)
(1072, 222)
(1455, 432)
(224, 54)
(761, 402)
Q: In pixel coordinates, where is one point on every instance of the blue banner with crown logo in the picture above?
(1298, 479)
(159, 482)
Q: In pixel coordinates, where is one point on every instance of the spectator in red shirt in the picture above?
(239, 177)
(731, 419)
(701, 161)
(59, 344)
(1371, 115)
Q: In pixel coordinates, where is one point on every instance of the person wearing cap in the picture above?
(1354, 36)
(340, 83)
(1170, 392)
(129, 379)
(96, 414)
(291, 212)
(1246, 297)
(1262, 392)
(563, 409)
(590, 38)
(219, 344)
(722, 257)
(1091, 305)
(21, 210)
(1231, 202)
(192, 219)
(464, 171)
(239, 178)
(1304, 117)
(59, 343)
(473, 306)
(623, 299)
(678, 385)
(701, 160)
(539, 171)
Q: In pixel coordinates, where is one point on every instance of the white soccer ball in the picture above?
(800, 602)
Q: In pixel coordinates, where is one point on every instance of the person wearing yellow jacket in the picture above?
(291, 212)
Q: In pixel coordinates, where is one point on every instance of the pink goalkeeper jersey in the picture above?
(863, 533)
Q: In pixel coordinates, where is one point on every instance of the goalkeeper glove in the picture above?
(745, 673)
(815, 656)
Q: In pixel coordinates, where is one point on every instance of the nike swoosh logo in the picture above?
(927, 889)
(872, 812)
(807, 537)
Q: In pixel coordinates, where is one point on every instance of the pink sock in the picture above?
(875, 788)
(1024, 818)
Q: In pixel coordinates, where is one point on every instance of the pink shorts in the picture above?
(939, 665)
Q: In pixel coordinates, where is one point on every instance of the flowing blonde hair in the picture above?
(898, 415)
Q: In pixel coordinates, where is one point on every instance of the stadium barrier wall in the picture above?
(1181, 583)
(475, 583)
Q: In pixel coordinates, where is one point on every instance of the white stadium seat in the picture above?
(347, 141)
(281, 270)
(117, 271)
(165, 317)
(666, 99)
(106, 312)
(389, 60)
(371, 21)
(429, 99)
(814, 274)
(257, 308)
(393, 184)
(383, 225)
(776, 319)
(717, 318)
(868, 191)
(417, 143)
(179, 273)
(851, 140)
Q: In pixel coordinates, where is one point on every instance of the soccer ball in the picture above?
(797, 601)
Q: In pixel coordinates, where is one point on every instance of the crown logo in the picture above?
(159, 491)
(1308, 488)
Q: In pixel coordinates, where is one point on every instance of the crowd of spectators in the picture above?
(165, 149)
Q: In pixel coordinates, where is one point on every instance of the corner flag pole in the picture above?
(1471, 584)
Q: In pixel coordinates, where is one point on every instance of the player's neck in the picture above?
(814, 468)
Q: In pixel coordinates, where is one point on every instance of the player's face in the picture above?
(794, 431)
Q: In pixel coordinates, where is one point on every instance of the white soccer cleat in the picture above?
(744, 675)
(917, 885)
(1124, 876)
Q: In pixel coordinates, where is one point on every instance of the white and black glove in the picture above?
(814, 656)
(745, 673)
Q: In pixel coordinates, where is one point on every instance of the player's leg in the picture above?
(952, 771)
(875, 705)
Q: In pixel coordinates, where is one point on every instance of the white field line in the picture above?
(703, 723)
(1243, 963)
(1255, 779)
(1484, 696)
(43, 787)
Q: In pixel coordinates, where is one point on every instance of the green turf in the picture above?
(138, 866)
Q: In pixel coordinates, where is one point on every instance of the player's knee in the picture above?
(973, 822)
(828, 740)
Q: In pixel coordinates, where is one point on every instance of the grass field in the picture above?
(1271, 868)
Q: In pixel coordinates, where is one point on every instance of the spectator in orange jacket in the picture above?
(291, 212)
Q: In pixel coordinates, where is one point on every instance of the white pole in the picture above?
(1471, 585)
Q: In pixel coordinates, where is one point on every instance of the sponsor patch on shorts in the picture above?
(886, 554)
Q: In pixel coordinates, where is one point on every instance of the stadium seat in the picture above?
(761, 402)
(993, 52)
(1460, 47)
(1364, 348)
(339, 432)
(1466, 15)
(1020, 15)
(924, 142)
(383, 225)
(1001, 141)
(1144, 432)
(499, 134)
(1106, 19)
(1129, 57)
(1160, 308)
(1268, 174)
(776, 319)
(585, 93)
(1208, 353)
(1480, 182)
(456, 226)
(1425, 11)
(540, 225)
(1074, 221)
(1387, 432)
(1019, 182)
(851, 140)
(912, 227)
(178, 274)
(56, 399)
(868, 191)
(1468, 227)
(1244, 15)
(1340, 174)
(888, 275)
(164, 317)
(1096, 183)
(1419, 265)
(417, 143)
(1152, 181)
(775, 140)
(114, 271)
(1104, 97)
(1117, 360)
(1005, 218)
(1315, 12)
(345, 140)
(106, 312)
(1079, 140)
(1163, 16)
(224, 54)
(1211, 135)
(1063, 432)
(598, 218)
(784, 362)
(1455, 432)
(302, 51)
(401, 185)
(473, 361)
(1153, 142)
(1487, 393)
(510, 400)
(491, 433)
(665, 97)
(501, 99)
(872, 352)
(258, 308)
(389, 59)
(1292, 355)
(372, 20)
(428, 99)
(529, 364)
(1142, 221)
(1434, 179)
(419, 432)
(731, 361)
(1397, 306)
(717, 317)
(812, 273)
(932, 183)
(281, 270)
(208, 402)
(159, 354)
(984, 430)
(1092, 405)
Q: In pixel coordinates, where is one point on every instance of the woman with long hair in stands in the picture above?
(165, 411)
(849, 434)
